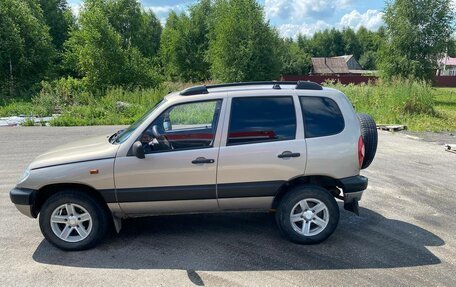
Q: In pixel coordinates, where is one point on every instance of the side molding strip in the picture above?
(193, 192)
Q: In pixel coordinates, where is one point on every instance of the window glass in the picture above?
(322, 117)
(123, 135)
(184, 126)
(261, 119)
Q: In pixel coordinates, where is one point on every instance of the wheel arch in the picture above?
(326, 182)
(48, 190)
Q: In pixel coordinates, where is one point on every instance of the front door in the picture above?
(178, 173)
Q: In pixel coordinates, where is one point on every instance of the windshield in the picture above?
(123, 135)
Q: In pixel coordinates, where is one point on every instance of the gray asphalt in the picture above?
(406, 234)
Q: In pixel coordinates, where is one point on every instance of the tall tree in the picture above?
(327, 43)
(138, 28)
(185, 42)
(103, 49)
(369, 60)
(294, 60)
(59, 18)
(25, 46)
(172, 55)
(451, 47)
(417, 33)
(352, 46)
(242, 45)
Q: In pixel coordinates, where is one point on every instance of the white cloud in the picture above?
(167, 8)
(297, 10)
(293, 30)
(372, 20)
(162, 11)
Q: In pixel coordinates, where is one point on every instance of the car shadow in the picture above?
(251, 241)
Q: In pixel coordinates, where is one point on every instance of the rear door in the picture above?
(262, 147)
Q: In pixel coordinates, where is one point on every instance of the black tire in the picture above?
(370, 138)
(291, 199)
(98, 213)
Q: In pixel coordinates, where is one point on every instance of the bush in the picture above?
(106, 110)
(18, 108)
(397, 99)
(396, 102)
(55, 96)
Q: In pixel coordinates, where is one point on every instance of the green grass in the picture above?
(107, 111)
(417, 105)
(80, 108)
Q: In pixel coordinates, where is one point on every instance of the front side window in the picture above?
(322, 117)
(183, 126)
(261, 119)
(123, 135)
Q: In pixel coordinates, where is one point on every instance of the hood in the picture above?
(78, 151)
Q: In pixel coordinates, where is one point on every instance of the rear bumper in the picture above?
(24, 199)
(353, 188)
(354, 184)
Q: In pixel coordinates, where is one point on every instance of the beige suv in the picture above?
(286, 147)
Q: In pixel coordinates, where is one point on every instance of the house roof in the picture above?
(448, 61)
(330, 66)
(345, 57)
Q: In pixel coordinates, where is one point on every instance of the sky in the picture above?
(293, 17)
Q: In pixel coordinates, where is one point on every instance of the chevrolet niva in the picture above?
(291, 148)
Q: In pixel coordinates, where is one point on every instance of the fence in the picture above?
(345, 80)
(440, 81)
(445, 81)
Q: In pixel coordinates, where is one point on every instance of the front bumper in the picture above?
(353, 188)
(24, 199)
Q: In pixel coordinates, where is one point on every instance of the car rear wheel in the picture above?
(73, 221)
(307, 215)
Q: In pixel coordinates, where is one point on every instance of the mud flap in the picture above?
(353, 206)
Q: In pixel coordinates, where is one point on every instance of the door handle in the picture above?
(288, 154)
(201, 160)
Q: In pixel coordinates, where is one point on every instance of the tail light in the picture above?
(361, 151)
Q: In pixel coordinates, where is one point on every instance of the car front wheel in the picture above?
(73, 221)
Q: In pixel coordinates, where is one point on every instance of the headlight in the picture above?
(24, 176)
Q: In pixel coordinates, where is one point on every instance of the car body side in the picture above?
(330, 159)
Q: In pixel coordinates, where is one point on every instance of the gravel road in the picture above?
(406, 234)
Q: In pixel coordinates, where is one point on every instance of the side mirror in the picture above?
(138, 150)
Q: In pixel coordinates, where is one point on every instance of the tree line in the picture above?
(119, 43)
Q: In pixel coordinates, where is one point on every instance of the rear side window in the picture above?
(322, 117)
(261, 119)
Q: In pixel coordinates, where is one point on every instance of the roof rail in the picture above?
(299, 85)
(308, 85)
(196, 90)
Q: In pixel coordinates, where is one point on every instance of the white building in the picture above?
(447, 67)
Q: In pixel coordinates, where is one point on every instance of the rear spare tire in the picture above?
(370, 138)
